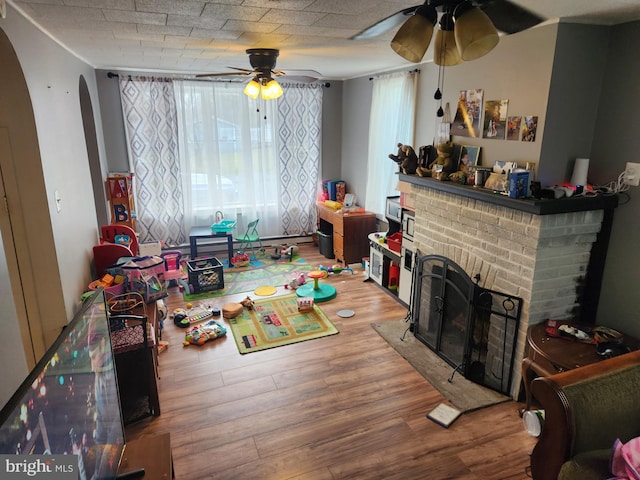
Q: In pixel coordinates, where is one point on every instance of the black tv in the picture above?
(69, 403)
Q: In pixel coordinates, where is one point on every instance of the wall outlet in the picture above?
(632, 174)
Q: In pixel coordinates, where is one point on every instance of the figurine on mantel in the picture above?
(406, 159)
(442, 166)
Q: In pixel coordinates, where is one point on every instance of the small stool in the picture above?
(319, 292)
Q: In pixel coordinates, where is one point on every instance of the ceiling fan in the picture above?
(506, 16)
(263, 63)
(468, 29)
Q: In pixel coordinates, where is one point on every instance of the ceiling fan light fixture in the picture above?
(445, 50)
(413, 38)
(252, 89)
(271, 89)
(474, 32)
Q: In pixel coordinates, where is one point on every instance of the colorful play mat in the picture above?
(257, 274)
(275, 322)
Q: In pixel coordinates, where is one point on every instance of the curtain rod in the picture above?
(115, 75)
(416, 70)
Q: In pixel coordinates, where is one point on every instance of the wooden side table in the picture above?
(150, 452)
(350, 233)
(548, 355)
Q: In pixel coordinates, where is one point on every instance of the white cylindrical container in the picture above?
(533, 421)
(580, 172)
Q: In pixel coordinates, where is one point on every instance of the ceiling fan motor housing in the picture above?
(263, 59)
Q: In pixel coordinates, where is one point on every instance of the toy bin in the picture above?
(325, 241)
(205, 274)
(394, 242)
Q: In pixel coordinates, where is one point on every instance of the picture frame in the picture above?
(469, 156)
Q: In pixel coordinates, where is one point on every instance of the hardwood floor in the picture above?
(343, 406)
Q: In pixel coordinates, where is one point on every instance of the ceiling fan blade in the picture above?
(243, 70)
(385, 24)
(227, 74)
(509, 17)
(297, 73)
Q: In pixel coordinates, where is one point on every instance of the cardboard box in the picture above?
(407, 199)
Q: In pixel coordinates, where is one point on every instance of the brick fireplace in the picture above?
(550, 253)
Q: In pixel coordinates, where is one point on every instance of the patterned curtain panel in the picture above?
(149, 110)
(300, 140)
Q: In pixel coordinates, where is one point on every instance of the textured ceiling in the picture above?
(190, 36)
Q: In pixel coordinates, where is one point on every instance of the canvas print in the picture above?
(467, 119)
(495, 119)
(513, 128)
(529, 129)
(469, 155)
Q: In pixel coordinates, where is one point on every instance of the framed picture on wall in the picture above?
(469, 156)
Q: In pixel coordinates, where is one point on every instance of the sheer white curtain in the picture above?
(391, 122)
(228, 156)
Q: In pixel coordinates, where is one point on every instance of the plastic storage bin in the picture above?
(205, 274)
(223, 226)
(325, 243)
(394, 242)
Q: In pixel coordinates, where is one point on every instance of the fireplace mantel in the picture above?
(530, 205)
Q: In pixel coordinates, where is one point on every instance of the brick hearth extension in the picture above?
(548, 252)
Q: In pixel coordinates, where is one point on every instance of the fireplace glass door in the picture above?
(474, 329)
(444, 306)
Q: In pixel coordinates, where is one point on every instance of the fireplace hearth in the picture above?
(474, 329)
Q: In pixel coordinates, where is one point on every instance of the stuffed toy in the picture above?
(247, 303)
(406, 159)
(442, 166)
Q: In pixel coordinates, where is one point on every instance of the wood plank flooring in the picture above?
(345, 406)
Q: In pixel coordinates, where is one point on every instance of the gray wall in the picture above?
(617, 141)
(578, 72)
(356, 107)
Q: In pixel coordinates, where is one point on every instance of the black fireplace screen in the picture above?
(474, 329)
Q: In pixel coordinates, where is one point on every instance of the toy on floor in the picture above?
(335, 269)
(247, 303)
(240, 259)
(305, 304)
(231, 310)
(185, 317)
(296, 282)
(319, 292)
(284, 251)
(202, 333)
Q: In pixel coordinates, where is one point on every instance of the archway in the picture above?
(86, 110)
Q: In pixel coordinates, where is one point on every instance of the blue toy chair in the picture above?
(250, 237)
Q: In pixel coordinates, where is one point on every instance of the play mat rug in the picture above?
(258, 273)
(275, 322)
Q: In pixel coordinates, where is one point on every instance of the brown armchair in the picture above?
(586, 410)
